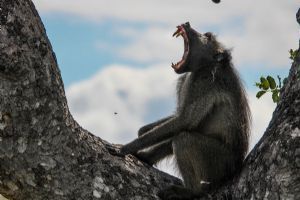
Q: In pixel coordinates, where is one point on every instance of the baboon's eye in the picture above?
(187, 24)
(209, 35)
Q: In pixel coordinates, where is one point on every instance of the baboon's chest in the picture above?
(184, 89)
(190, 89)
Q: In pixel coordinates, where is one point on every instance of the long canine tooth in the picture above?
(177, 31)
(178, 34)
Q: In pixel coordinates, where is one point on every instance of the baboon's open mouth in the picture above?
(181, 32)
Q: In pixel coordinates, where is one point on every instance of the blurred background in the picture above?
(115, 56)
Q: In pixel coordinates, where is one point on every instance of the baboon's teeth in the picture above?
(180, 33)
(177, 31)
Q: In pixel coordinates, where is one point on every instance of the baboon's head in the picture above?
(201, 51)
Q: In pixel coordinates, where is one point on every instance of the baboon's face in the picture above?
(199, 49)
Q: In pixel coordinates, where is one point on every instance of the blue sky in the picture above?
(74, 42)
(115, 56)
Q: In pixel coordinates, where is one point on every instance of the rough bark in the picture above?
(45, 154)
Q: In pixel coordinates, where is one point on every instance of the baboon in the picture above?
(208, 133)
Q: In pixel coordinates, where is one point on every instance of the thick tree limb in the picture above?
(45, 154)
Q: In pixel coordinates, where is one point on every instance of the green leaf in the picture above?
(271, 82)
(275, 96)
(260, 93)
(269, 85)
(259, 85)
(264, 83)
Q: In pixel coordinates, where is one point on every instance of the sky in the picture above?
(115, 56)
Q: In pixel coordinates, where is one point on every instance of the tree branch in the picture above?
(44, 153)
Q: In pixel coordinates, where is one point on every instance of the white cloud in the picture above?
(262, 110)
(167, 11)
(267, 34)
(153, 44)
(128, 92)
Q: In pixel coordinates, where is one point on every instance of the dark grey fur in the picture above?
(208, 134)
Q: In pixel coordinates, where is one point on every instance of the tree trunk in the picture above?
(45, 154)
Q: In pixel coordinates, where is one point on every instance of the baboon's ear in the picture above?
(223, 56)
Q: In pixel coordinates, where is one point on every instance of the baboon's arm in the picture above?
(154, 136)
(190, 117)
(150, 126)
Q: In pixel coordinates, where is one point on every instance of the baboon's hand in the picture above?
(125, 150)
(144, 157)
